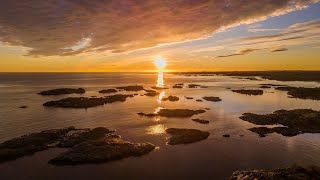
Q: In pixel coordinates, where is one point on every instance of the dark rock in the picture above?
(177, 87)
(295, 121)
(186, 136)
(147, 115)
(274, 85)
(211, 98)
(109, 148)
(152, 94)
(23, 107)
(108, 91)
(171, 98)
(254, 92)
(85, 102)
(202, 121)
(31, 143)
(159, 88)
(179, 112)
(196, 86)
(302, 93)
(131, 88)
(62, 91)
(291, 173)
(265, 87)
(189, 97)
(199, 100)
(226, 135)
(150, 91)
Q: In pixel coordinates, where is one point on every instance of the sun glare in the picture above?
(160, 62)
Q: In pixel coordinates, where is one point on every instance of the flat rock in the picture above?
(291, 173)
(159, 88)
(23, 107)
(152, 94)
(109, 148)
(254, 92)
(62, 91)
(147, 115)
(179, 112)
(171, 98)
(186, 136)
(86, 102)
(132, 88)
(295, 121)
(201, 121)
(31, 143)
(196, 86)
(301, 92)
(265, 87)
(212, 98)
(177, 86)
(189, 97)
(108, 91)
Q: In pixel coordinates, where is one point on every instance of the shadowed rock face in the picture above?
(179, 112)
(152, 94)
(186, 136)
(296, 121)
(131, 88)
(31, 143)
(302, 93)
(109, 148)
(254, 92)
(108, 91)
(293, 172)
(211, 98)
(201, 121)
(62, 91)
(171, 98)
(87, 146)
(86, 102)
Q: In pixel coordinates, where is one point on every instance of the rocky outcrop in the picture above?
(106, 91)
(179, 112)
(62, 91)
(131, 88)
(212, 98)
(186, 136)
(201, 121)
(171, 98)
(254, 92)
(301, 92)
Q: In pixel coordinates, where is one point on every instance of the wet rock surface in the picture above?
(179, 112)
(104, 91)
(147, 115)
(62, 91)
(31, 143)
(86, 102)
(171, 98)
(186, 136)
(301, 93)
(212, 98)
(87, 146)
(131, 88)
(295, 121)
(291, 173)
(201, 121)
(254, 92)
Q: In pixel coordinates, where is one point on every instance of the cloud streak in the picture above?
(71, 27)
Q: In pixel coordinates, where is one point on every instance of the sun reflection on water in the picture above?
(160, 82)
(157, 129)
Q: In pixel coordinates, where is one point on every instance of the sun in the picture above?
(160, 62)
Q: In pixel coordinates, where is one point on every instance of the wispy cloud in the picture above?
(48, 27)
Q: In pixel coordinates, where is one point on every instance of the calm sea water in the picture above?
(214, 158)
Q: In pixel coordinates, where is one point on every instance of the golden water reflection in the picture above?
(160, 82)
(156, 129)
(161, 95)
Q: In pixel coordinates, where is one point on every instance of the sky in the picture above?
(129, 35)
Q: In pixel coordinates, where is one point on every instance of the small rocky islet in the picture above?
(62, 91)
(171, 98)
(212, 98)
(171, 113)
(290, 173)
(201, 121)
(186, 136)
(86, 102)
(96, 145)
(295, 122)
(106, 91)
(301, 92)
(253, 92)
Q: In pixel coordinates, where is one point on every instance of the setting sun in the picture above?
(160, 62)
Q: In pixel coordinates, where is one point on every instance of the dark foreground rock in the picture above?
(105, 149)
(62, 91)
(254, 92)
(131, 88)
(295, 121)
(104, 91)
(302, 93)
(159, 88)
(31, 143)
(179, 112)
(186, 136)
(87, 146)
(211, 98)
(201, 121)
(291, 173)
(171, 98)
(86, 102)
(152, 94)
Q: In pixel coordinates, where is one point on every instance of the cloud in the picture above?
(240, 52)
(70, 27)
(279, 49)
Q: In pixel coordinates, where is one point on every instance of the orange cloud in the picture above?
(72, 27)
